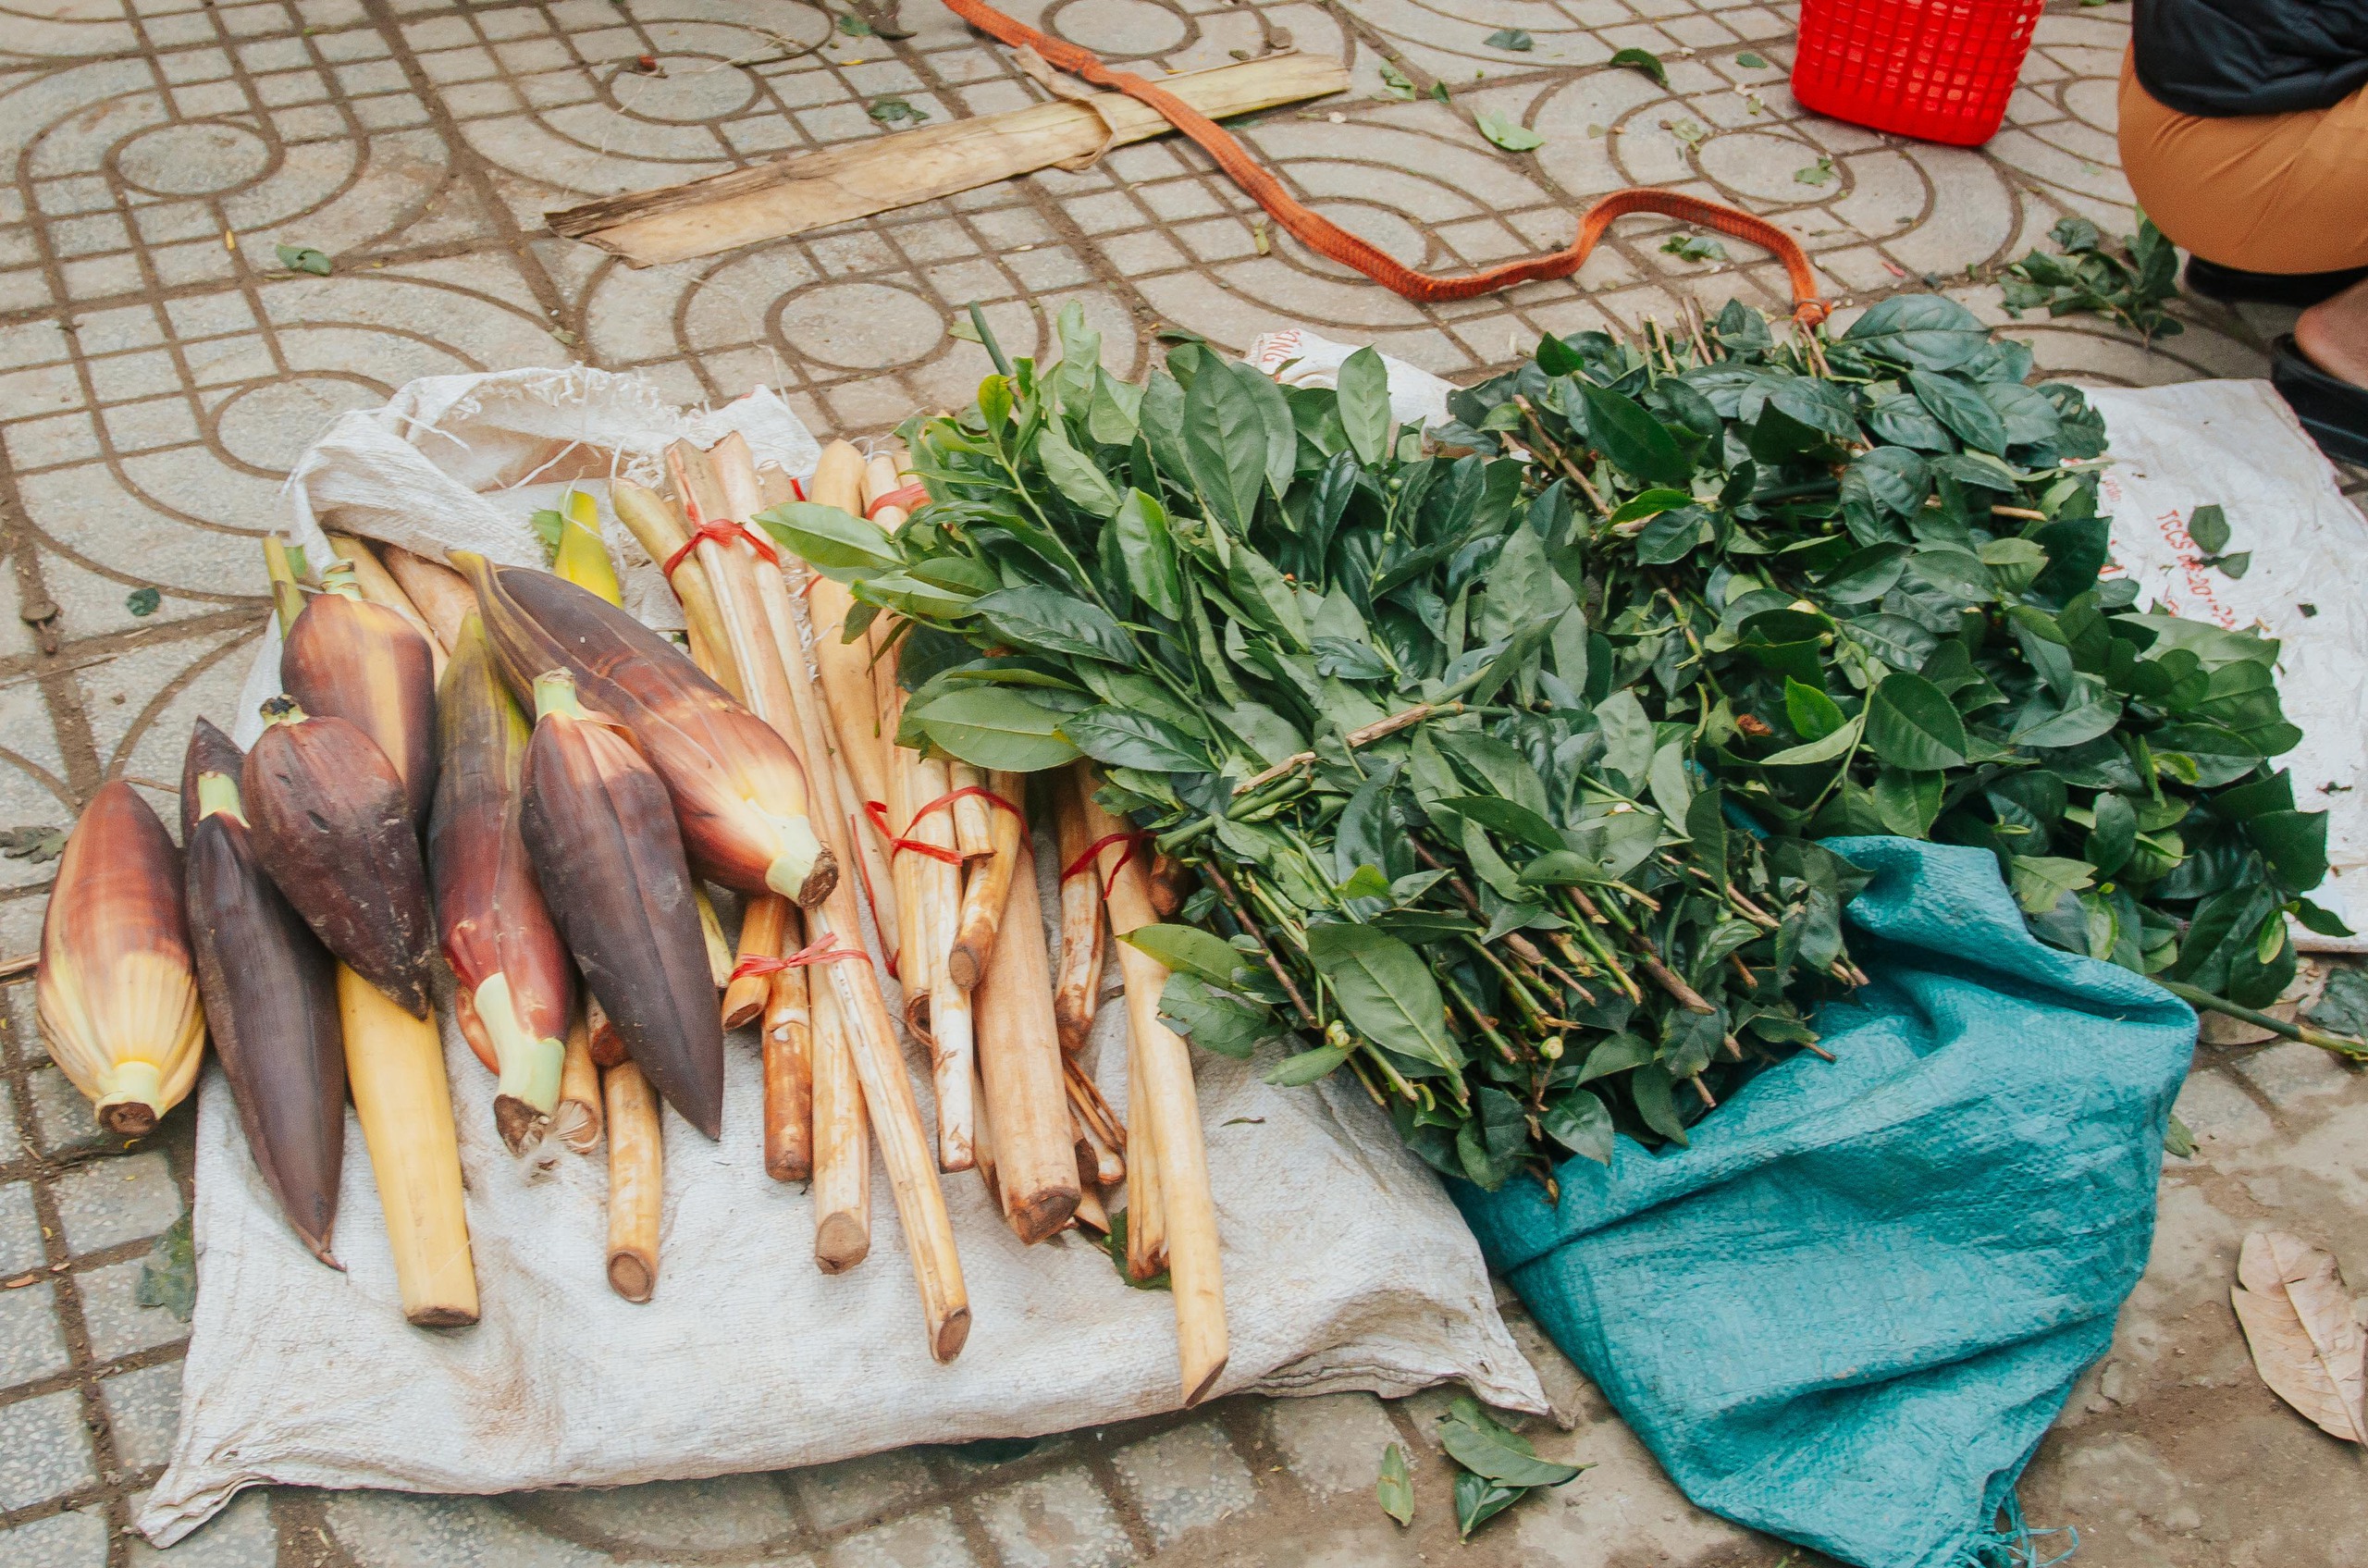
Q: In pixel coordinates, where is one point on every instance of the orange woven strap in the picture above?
(904, 500)
(822, 950)
(1329, 239)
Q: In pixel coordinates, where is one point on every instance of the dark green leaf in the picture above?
(1580, 1123)
(2208, 526)
(1642, 60)
(1045, 619)
(1911, 725)
(1814, 715)
(1145, 545)
(1225, 442)
(1214, 1020)
(1125, 738)
(1483, 1446)
(829, 538)
(1307, 1066)
(1479, 1499)
(995, 727)
(143, 602)
(1386, 990)
(1189, 950)
(1364, 405)
(1961, 407)
(1394, 1488)
(1923, 331)
(1633, 439)
(169, 1277)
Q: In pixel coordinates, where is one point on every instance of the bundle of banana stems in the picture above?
(834, 1074)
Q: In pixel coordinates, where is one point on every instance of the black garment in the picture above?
(2222, 57)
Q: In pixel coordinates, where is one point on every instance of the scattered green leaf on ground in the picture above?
(854, 26)
(1751, 61)
(168, 1278)
(1396, 1486)
(2129, 281)
(1817, 173)
(32, 844)
(1688, 131)
(1438, 91)
(304, 258)
(894, 111)
(143, 601)
(1642, 60)
(1395, 80)
(1694, 247)
(1512, 135)
(2343, 1005)
(2178, 1140)
(1511, 38)
(1498, 1465)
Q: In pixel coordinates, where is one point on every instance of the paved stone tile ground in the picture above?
(159, 370)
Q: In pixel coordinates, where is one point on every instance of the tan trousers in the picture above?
(2259, 192)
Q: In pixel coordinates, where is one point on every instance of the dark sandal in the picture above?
(2233, 286)
(2333, 411)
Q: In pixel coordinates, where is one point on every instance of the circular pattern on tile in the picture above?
(860, 325)
(694, 87)
(204, 159)
(1118, 29)
(266, 426)
(1764, 166)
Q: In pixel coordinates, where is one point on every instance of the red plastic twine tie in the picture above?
(1133, 841)
(722, 534)
(1329, 239)
(944, 802)
(822, 950)
(905, 499)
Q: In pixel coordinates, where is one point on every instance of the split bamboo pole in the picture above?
(1166, 1118)
(1019, 1065)
(637, 1181)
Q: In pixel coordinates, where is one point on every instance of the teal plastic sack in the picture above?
(1847, 1314)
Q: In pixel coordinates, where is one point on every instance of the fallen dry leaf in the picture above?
(2307, 1345)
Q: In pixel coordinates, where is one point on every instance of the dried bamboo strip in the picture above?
(788, 1042)
(808, 191)
(1019, 1065)
(636, 1182)
(577, 1121)
(761, 924)
(1164, 1121)
(1078, 985)
(986, 889)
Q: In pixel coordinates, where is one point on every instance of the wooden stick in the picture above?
(1085, 1096)
(443, 596)
(1146, 1214)
(1077, 986)
(808, 190)
(1091, 1214)
(662, 530)
(972, 836)
(842, 1151)
(940, 1010)
(788, 1039)
(608, 1047)
(1019, 1065)
(379, 586)
(718, 951)
(761, 924)
(1166, 1119)
(986, 890)
(878, 1061)
(577, 1121)
(636, 1182)
(982, 1137)
(1104, 1166)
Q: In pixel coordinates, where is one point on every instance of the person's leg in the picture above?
(2275, 194)
(2333, 335)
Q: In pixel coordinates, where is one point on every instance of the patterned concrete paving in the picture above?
(159, 370)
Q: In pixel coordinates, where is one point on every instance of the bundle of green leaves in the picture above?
(1340, 674)
(1501, 750)
(2130, 283)
(1872, 578)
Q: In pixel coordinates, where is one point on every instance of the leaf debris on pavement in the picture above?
(1817, 173)
(894, 111)
(1642, 60)
(2307, 1344)
(142, 602)
(32, 844)
(1401, 86)
(1394, 1487)
(1512, 135)
(1694, 247)
(304, 258)
(168, 1278)
(1511, 38)
(2129, 284)
(1495, 1466)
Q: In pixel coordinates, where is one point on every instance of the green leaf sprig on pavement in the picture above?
(1501, 753)
(2129, 283)
(1496, 1467)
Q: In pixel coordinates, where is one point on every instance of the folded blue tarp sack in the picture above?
(1847, 1314)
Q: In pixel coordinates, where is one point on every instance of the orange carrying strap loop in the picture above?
(1329, 239)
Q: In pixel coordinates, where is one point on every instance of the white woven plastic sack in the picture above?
(1345, 1265)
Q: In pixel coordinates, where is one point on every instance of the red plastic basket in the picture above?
(1941, 70)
